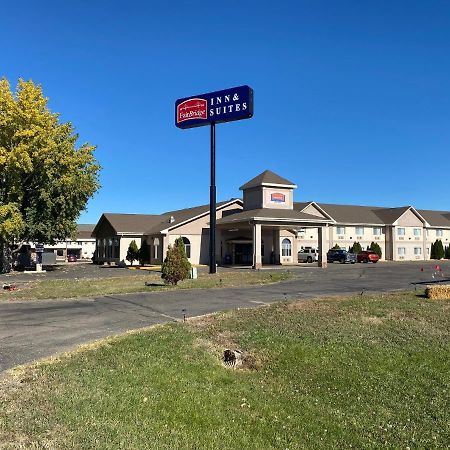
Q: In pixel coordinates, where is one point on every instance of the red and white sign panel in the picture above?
(194, 108)
(277, 197)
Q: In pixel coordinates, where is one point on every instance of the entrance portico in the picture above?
(268, 225)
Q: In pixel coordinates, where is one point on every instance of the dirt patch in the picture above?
(372, 320)
(310, 305)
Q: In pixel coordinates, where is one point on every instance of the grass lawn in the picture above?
(362, 372)
(90, 287)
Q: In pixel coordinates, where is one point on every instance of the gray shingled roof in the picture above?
(347, 213)
(373, 215)
(181, 216)
(267, 177)
(84, 230)
(270, 213)
(132, 223)
(436, 218)
(390, 215)
(155, 223)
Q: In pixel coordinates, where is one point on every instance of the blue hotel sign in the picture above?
(214, 107)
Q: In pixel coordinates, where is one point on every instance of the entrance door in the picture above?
(243, 254)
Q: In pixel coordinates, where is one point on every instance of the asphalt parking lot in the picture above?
(33, 330)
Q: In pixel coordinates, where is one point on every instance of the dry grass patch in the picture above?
(438, 292)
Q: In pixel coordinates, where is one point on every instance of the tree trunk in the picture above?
(5, 257)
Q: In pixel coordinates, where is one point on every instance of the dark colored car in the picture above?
(367, 256)
(341, 256)
(71, 258)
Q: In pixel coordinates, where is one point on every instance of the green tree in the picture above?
(336, 247)
(356, 248)
(144, 253)
(176, 266)
(374, 246)
(447, 252)
(132, 252)
(439, 249)
(45, 179)
(433, 251)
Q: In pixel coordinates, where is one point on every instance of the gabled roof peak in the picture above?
(268, 178)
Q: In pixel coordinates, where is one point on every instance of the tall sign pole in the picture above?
(208, 109)
(212, 204)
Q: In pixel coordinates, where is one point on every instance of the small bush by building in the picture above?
(356, 248)
(375, 247)
(144, 253)
(176, 266)
(133, 252)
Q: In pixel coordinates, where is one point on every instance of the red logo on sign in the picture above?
(194, 108)
(278, 198)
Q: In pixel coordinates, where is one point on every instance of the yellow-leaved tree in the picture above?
(45, 178)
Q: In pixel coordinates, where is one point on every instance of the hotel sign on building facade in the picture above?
(214, 107)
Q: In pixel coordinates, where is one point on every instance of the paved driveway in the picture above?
(29, 331)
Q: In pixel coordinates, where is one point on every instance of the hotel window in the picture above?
(155, 248)
(116, 248)
(187, 246)
(359, 231)
(376, 231)
(417, 232)
(439, 233)
(417, 251)
(401, 251)
(400, 231)
(286, 249)
(340, 230)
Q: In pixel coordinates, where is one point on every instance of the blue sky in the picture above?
(352, 98)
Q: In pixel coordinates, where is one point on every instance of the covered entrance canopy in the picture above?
(267, 236)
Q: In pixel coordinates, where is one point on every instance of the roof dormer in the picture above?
(268, 190)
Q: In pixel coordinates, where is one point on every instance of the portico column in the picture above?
(323, 246)
(295, 249)
(257, 262)
(276, 246)
(164, 246)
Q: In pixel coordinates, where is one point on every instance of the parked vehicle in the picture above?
(71, 258)
(308, 255)
(341, 256)
(367, 256)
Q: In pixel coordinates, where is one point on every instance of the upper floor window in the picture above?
(359, 231)
(439, 232)
(340, 230)
(417, 232)
(400, 231)
(286, 247)
(376, 231)
(187, 246)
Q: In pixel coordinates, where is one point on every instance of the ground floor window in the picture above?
(417, 251)
(60, 252)
(155, 248)
(116, 244)
(286, 247)
(401, 251)
(187, 246)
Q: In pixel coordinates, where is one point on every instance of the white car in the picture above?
(308, 255)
